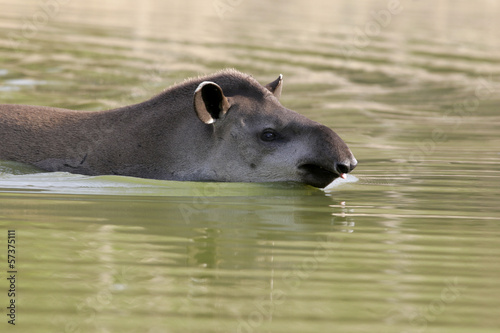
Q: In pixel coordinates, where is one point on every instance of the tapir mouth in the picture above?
(317, 175)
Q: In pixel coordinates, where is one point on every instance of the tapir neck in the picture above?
(167, 138)
(161, 138)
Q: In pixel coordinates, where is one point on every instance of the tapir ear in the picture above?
(209, 102)
(276, 86)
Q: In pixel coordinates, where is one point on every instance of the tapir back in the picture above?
(38, 135)
(28, 132)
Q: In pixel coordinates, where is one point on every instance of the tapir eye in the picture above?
(268, 135)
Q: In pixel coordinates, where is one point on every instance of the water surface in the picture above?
(409, 243)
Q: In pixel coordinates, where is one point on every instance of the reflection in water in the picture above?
(169, 263)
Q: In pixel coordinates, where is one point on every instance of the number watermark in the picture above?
(11, 276)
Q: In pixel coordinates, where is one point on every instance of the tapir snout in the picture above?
(329, 158)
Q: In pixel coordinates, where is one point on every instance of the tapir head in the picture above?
(256, 139)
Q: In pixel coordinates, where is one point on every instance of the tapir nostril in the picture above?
(342, 168)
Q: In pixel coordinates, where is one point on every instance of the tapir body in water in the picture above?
(223, 127)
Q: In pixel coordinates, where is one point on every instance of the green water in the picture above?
(409, 243)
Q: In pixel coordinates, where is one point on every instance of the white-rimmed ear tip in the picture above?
(201, 85)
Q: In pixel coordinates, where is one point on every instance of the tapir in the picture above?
(225, 127)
